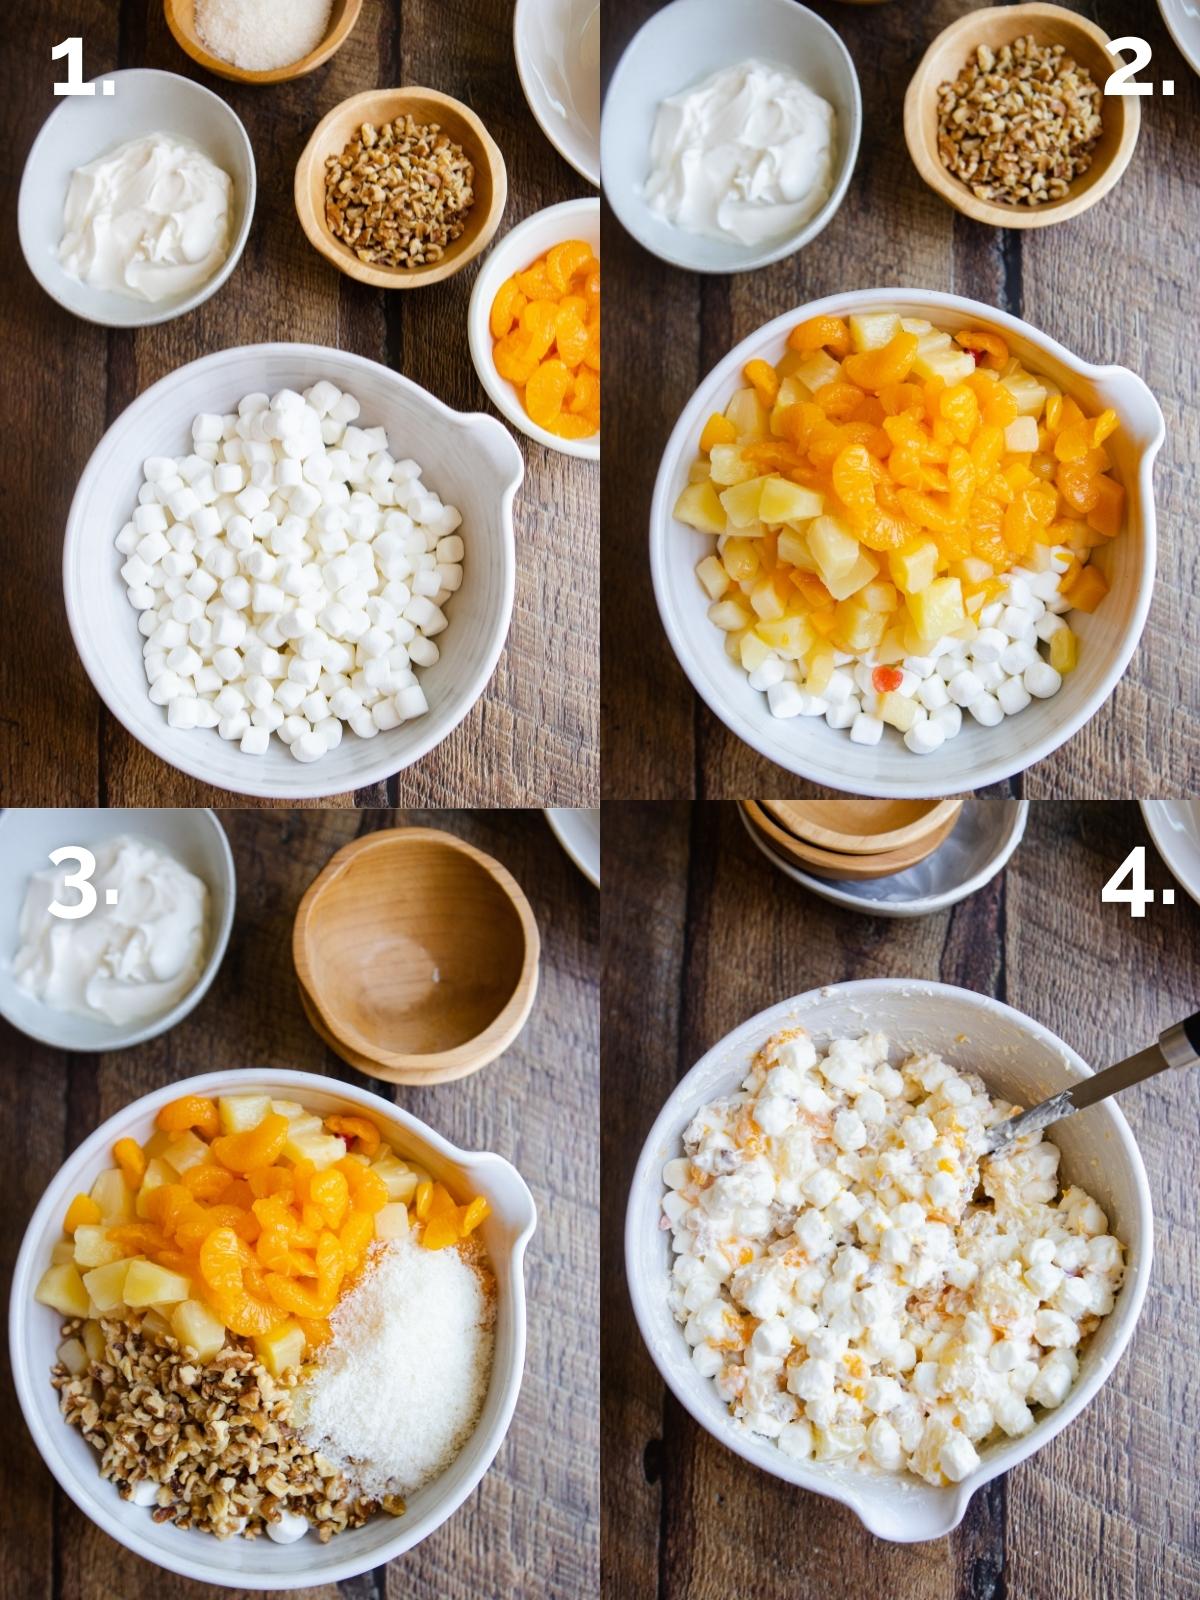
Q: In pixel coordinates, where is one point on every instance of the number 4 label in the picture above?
(1136, 896)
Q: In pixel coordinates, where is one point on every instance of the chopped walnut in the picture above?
(398, 195)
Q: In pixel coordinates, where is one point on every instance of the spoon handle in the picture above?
(1177, 1046)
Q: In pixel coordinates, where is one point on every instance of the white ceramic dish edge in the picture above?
(900, 1509)
(949, 771)
(922, 906)
(260, 1565)
(535, 235)
(577, 838)
(589, 169)
(1158, 817)
(329, 776)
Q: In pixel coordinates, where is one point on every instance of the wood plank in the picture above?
(532, 1526)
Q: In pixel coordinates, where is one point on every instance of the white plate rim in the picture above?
(587, 862)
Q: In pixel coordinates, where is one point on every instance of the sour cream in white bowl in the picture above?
(1019, 1061)
(980, 755)
(668, 139)
(470, 461)
(184, 130)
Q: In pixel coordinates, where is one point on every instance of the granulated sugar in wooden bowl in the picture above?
(261, 41)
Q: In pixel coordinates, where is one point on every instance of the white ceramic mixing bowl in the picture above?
(259, 1563)
(978, 756)
(471, 461)
(1018, 1059)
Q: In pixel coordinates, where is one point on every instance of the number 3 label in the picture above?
(80, 880)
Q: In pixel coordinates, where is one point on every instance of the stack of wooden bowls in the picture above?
(852, 839)
(417, 956)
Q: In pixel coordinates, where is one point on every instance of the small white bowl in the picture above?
(578, 831)
(685, 43)
(979, 756)
(1017, 1058)
(557, 46)
(472, 461)
(83, 127)
(196, 838)
(258, 1563)
(978, 847)
(1182, 18)
(1174, 825)
(517, 250)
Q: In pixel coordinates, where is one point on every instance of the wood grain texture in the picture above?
(533, 737)
(698, 934)
(660, 741)
(531, 1526)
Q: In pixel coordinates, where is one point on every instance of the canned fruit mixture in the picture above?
(903, 517)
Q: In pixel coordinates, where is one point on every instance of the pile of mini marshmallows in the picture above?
(290, 575)
(994, 675)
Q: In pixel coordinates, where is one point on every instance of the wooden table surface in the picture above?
(531, 1526)
(1115, 285)
(533, 737)
(701, 934)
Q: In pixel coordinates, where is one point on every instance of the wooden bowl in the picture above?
(418, 955)
(861, 827)
(334, 132)
(831, 864)
(999, 25)
(181, 19)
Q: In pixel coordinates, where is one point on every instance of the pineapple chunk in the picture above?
(114, 1197)
(62, 1289)
(728, 615)
(106, 1286)
(790, 637)
(873, 329)
(1029, 394)
(916, 325)
(792, 550)
(282, 1348)
(392, 1221)
(784, 501)
(892, 648)
(148, 1284)
(241, 1112)
(93, 1247)
(698, 507)
(157, 1173)
(322, 1149)
(73, 1356)
(184, 1151)
(714, 580)
(153, 1322)
(820, 670)
(879, 595)
(198, 1328)
(938, 609)
(898, 710)
(64, 1250)
(939, 357)
(748, 415)
(698, 472)
(752, 652)
(1064, 650)
(857, 628)
(728, 465)
(400, 1179)
(291, 1109)
(740, 502)
(1022, 435)
(972, 570)
(915, 566)
(818, 369)
(766, 599)
(740, 558)
(93, 1340)
(834, 548)
(791, 393)
(860, 574)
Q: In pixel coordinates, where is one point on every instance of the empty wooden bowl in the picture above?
(417, 955)
(181, 19)
(861, 827)
(833, 864)
(377, 106)
(1000, 25)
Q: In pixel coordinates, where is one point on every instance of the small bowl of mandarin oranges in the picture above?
(534, 327)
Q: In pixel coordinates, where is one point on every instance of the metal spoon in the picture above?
(1178, 1046)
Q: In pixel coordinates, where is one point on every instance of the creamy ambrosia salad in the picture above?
(856, 1285)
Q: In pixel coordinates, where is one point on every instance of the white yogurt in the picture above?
(149, 220)
(746, 155)
(128, 962)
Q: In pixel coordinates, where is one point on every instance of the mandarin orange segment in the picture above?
(478, 1211)
(504, 310)
(566, 261)
(223, 1268)
(514, 359)
(259, 1147)
(439, 1232)
(821, 333)
(571, 338)
(191, 1111)
(361, 1129)
(367, 1189)
(983, 342)
(206, 1182)
(573, 425)
(546, 391)
(82, 1212)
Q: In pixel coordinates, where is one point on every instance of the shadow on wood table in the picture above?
(531, 1526)
(699, 933)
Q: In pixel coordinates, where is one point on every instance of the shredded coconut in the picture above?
(260, 35)
(399, 1388)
